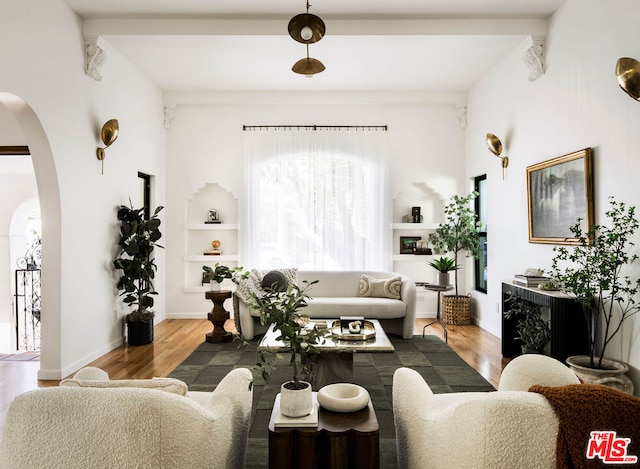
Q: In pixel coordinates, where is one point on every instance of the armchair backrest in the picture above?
(76, 427)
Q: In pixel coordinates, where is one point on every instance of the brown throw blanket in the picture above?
(614, 416)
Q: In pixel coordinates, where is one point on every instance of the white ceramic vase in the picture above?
(214, 286)
(296, 402)
(612, 373)
(443, 278)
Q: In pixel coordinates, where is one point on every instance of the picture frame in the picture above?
(408, 244)
(213, 216)
(559, 192)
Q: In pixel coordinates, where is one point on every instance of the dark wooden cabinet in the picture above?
(568, 325)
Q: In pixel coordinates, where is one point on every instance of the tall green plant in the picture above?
(460, 232)
(592, 271)
(137, 241)
(282, 309)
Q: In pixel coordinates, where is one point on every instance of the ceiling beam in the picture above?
(336, 27)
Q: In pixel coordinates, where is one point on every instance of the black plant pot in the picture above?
(140, 332)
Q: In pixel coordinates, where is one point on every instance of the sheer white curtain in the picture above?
(316, 199)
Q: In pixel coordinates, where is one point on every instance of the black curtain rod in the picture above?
(314, 127)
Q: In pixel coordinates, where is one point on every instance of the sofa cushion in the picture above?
(171, 385)
(275, 280)
(368, 307)
(251, 286)
(380, 288)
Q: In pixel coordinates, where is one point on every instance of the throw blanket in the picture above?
(597, 425)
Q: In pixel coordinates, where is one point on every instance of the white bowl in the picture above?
(343, 397)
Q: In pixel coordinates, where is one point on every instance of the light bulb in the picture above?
(306, 33)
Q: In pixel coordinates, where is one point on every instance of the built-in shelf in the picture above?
(214, 226)
(212, 259)
(411, 257)
(414, 226)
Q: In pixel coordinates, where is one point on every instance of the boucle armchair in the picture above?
(91, 422)
(507, 428)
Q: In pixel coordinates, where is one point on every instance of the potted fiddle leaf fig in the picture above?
(282, 309)
(460, 233)
(444, 265)
(594, 271)
(136, 243)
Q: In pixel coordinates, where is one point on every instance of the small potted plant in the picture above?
(136, 242)
(282, 309)
(531, 329)
(592, 271)
(216, 275)
(444, 265)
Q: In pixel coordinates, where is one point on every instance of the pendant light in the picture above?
(307, 29)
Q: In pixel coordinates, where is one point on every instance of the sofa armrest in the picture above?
(408, 296)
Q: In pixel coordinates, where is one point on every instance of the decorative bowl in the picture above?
(343, 397)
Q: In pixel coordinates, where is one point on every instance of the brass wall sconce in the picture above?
(307, 29)
(628, 75)
(108, 134)
(495, 146)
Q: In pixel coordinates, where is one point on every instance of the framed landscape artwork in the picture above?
(560, 191)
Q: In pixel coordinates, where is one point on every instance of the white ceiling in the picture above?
(374, 45)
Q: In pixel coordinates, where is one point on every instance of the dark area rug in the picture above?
(438, 364)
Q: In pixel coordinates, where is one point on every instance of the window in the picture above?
(145, 194)
(315, 199)
(480, 186)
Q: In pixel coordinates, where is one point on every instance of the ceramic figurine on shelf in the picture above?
(214, 216)
(216, 251)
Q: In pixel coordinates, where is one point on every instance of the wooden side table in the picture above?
(218, 316)
(340, 441)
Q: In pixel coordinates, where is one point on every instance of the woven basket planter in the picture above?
(456, 309)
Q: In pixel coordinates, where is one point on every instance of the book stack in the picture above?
(529, 280)
(282, 421)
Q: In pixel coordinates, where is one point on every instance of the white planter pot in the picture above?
(296, 402)
(612, 373)
(443, 278)
(214, 286)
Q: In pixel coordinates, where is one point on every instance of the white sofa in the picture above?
(92, 422)
(335, 295)
(505, 429)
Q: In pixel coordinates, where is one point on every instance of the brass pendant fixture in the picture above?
(628, 75)
(307, 29)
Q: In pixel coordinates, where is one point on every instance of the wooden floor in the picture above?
(175, 339)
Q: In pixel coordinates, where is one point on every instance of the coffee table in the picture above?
(334, 363)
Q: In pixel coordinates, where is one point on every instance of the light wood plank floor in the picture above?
(175, 339)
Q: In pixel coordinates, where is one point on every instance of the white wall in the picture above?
(42, 56)
(205, 145)
(575, 104)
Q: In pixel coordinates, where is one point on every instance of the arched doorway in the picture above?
(48, 190)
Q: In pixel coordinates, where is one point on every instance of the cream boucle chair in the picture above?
(510, 428)
(92, 422)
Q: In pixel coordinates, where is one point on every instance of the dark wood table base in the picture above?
(341, 441)
(218, 316)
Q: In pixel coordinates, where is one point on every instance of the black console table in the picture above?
(568, 326)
